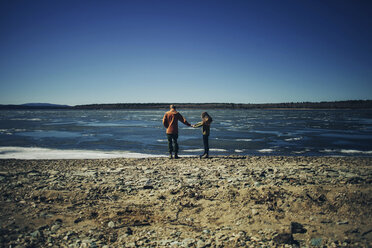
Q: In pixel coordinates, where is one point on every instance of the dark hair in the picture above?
(207, 119)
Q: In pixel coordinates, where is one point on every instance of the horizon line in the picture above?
(187, 103)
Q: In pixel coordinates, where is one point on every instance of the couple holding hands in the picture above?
(170, 122)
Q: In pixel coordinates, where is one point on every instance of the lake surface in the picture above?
(233, 132)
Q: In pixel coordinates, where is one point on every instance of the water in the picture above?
(105, 133)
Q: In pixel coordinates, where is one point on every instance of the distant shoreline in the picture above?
(351, 104)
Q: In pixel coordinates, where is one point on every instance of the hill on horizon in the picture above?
(37, 104)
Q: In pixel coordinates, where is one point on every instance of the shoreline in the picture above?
(38, 153)
(226, 201)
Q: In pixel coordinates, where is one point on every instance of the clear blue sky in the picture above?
(82, 52)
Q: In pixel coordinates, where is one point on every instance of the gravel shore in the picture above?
(157, 202)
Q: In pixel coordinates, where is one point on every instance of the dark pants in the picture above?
(206, 144)
(172, 138)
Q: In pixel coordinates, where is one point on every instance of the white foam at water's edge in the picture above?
(46, 153)
(346, 151)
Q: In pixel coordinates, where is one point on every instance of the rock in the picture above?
(297, 228)
(187, 242)
(35, 234)
(200, 244)
(284, 238)
(148, 185)
(111, 224)
(255, 211)
(55, 228)
(316, 241)
(257, 184)
(88, 243)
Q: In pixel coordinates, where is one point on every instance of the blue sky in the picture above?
(82, 52)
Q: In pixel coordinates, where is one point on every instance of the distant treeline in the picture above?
(357, 104)
(353, 104)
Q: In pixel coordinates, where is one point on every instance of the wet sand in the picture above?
(216, 202)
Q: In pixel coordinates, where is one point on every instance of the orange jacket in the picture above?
(170, 121)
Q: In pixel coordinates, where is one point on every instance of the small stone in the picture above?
(55, 228)
(200, 243)
(316, 241)
(35, 234)
(188, 242)
(255, 211)
(111, 224)
(257, 184)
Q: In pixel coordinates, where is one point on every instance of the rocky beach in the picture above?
(268, 201)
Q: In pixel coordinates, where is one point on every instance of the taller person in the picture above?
(170, 122)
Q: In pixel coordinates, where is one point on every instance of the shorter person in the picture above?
(206, 124)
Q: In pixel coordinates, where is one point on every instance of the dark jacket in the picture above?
(206, 127)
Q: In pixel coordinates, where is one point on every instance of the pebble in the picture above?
(35, 234)
(316, 241)
(257, 184)
(55, 228)
(255, 211)
(111, 224)
(188, 242)
(200, 244)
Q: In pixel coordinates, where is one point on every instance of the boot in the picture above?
(176, 156)
(170, 156)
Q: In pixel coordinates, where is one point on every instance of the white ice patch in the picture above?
(217, 150)
(346, 151)
(45, 153)
(202, 150)
(194, 150)
(355, 151)
(293, 139)
(265, 150)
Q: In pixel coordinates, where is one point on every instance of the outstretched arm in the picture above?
(183, 120)
(199, 124)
